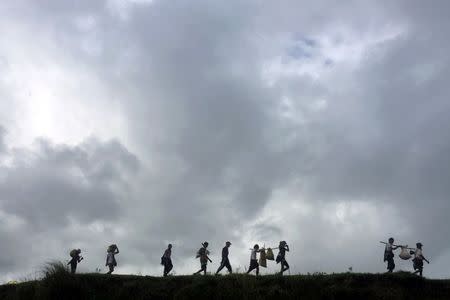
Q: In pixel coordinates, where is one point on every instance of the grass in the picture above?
(58, 283)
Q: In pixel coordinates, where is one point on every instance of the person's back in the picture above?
(168, 253)
(167, 260)
(225, 252)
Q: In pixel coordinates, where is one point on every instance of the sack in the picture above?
(262, 258)
(73, 253)
(112, 248)
(404, 254)
(163, 260)
(269, 254)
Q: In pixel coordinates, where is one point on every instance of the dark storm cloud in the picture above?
(46, 188)
(188, 75)
(53, 182)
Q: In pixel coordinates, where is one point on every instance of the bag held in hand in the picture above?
(263, 258)
(405, 254)
(269, 254)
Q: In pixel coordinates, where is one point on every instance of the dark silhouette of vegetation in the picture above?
(59, 283)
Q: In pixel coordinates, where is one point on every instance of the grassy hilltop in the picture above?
(58, 284)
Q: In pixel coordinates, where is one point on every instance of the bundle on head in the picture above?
(112, 248)
(74, 252)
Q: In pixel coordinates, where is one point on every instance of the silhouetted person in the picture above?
(166, 260)
(225, 261)
(254, 260)
(203, 255)
(389, 255)
(76, 258)
(281, 257)
(418, 259)
(111, 259)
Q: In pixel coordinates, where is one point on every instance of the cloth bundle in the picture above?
(73, 253)
(112, 248)
(405, 254)
(269, 254)
(263, 258)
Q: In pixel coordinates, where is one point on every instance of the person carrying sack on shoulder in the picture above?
(76, 258)
(203, 255)
(225, 261)
(110, 258)
(254, 260)
(418, 259)
(281, 257)
(389, 255)
(166, 260)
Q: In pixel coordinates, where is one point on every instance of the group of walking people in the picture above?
(405, 254)
(203, 256)
(111, 262)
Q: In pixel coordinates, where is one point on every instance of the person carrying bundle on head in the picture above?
(203, 253)
(281, 257)
(166, 260)
(254, 260)
(110, 257)
(389, 254)
(76, 258)
(225, 261)
(418, 259)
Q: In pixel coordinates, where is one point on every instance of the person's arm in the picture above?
(423, 257)
(117, 251)
(287, 248)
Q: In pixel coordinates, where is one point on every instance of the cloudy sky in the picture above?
(144, 122)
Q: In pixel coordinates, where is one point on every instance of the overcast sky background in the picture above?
(141, 122)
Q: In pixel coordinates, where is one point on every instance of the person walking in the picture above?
(225, 261)
(254, 260)
(166, 260)
(281, 257)
(76, 258)
(389, 255)
(203, 253)
(110, 257)
(418, 259)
